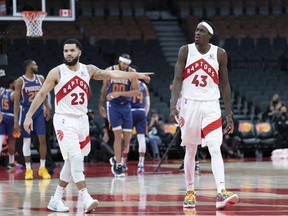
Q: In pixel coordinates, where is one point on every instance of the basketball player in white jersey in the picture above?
(200, 68)
(71, 86)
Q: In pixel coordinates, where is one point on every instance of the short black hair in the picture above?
(73, 41)
(27, 62)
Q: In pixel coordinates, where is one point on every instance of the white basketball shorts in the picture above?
(200, 120)
(72, 134)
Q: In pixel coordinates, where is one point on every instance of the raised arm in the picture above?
(98, 74)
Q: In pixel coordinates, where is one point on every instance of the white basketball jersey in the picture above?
(72, 91)
(200, 76)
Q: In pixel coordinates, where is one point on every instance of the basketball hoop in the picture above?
(33, 20)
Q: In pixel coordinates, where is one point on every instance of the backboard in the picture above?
(57, 10)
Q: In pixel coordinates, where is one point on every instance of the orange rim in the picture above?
(32, 15)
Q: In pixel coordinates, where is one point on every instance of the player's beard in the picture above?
(34, 70)
(71, 63)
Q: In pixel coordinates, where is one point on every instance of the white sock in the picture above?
(59, 192)
(28, 165)
(11, 159)
(84, 193)
(42, 162)
(141, 160)
(123, 160)
(217, 166)
(189, 166)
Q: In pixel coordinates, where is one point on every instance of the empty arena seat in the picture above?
(247, 133)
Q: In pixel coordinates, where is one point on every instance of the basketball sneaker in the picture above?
(225, 199)
(90, 204)
(43, 172)
(112, 161)
(189, 212)
(124, 167)
(14, 165)
(29, 174)
(190, 199)
(117, 170)
(140, 169)
(181, 168)
(57, 205)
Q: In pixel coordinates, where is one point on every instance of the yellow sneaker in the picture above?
(43, 172)
(225, 199)
(29, 174)
(190, 199)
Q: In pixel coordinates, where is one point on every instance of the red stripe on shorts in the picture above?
(210, 127)
(84, 142)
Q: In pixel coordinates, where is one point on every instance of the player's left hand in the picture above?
(28, 124)
(230, 125)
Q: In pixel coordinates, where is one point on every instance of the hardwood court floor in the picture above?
(262, 187)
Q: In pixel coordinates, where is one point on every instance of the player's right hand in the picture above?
(28, 124)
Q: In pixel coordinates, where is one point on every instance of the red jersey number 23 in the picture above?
(77, 98)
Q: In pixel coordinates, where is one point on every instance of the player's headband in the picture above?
(209, 28)
(125, 60)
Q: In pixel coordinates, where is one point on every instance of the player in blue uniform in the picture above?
(118, 94)
(140, 108)
(7, 119)
(26, 88)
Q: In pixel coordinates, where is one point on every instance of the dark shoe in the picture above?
(117, 171)
(51, 168)
(181, 168)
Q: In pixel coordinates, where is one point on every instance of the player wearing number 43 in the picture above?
(200, 68)
(71, 86)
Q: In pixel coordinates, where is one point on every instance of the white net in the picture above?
(33, 20)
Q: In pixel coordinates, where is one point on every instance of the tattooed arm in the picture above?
(98, 74)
